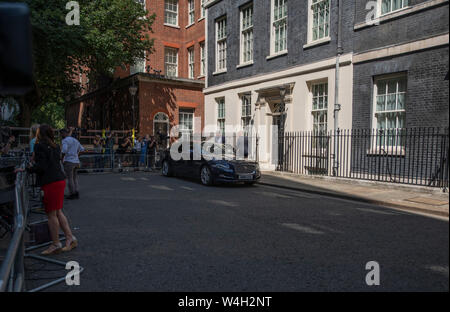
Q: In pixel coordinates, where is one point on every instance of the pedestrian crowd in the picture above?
(139, 151)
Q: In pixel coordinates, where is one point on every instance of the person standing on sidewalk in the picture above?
(109, 148)
(51, 179)
(71, 148)
(98, 149)
(33, 131)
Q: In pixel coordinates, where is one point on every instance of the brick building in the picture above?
(169, 81)
(330, 63)
(408, 47)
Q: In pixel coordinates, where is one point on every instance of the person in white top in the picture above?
(70, 150)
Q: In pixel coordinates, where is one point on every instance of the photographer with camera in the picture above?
(6, 147)
(99, 143)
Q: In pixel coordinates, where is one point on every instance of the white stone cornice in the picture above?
(399, 49)
(329, 63)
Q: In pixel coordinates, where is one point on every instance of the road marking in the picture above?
(439, 269)
(304, 229)
(298, 194)
(162, 187)
(377, 211)
(275, 195)
(223, 203)
(187, 188)
(127, 179)
(145, 179)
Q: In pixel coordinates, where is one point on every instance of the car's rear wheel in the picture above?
(206, 176)
(166, 169)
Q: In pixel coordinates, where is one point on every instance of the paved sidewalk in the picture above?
(413, 198)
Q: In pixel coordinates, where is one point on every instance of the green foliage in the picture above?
(112, 33)
(116, 33)
(51, 114)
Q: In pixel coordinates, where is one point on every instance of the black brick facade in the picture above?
(297, 37)
(427, 92)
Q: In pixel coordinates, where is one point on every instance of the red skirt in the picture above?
(54, 195)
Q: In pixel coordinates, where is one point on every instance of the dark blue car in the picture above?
(217, 165)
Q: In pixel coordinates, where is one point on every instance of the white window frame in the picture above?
(202, 59)
(246, 42)
(221, 117)
(404, 5)
(311, 22)
(324, 95)
(191, 12)
(167, 64)
(167, 11)
(183, 115)
(389, 140)
(139, 67)
(246, 111)
(191, 62)
(273, 22)
(221, 45)
(143, 3)
(202, 9)
(163, 118)
(394, 77)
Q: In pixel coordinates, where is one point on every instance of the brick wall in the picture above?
(180, 37)
(420, 25)
(167, 98)
(103, 109)
(427, 91)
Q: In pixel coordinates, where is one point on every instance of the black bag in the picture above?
(40, 233)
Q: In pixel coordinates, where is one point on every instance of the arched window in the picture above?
(161, 124)
(161, 117)
(161, 128)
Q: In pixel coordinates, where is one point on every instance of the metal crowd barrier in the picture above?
(12, 271)
(101, 162)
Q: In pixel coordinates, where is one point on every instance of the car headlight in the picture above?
(223, 166)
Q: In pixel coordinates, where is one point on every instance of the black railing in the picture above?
(410, 156)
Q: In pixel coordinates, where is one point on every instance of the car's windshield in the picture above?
(217, 148)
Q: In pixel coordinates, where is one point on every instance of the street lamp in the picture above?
(282, 107)
(133, 89)
(281, 130)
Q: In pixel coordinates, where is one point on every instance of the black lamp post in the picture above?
(133, 90)
(282, 110)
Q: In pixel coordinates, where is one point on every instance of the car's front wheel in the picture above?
(166, 169)
(206, 176)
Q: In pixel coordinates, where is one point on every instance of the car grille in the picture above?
(244, 168)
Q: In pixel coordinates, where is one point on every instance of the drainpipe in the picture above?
(337, 106)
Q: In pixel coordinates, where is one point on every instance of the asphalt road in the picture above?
(145, 232)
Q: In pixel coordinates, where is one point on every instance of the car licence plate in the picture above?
(246, 177)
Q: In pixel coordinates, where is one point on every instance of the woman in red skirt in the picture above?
(51, 179)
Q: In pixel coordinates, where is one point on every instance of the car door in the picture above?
(177, 165)
(197, 161)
